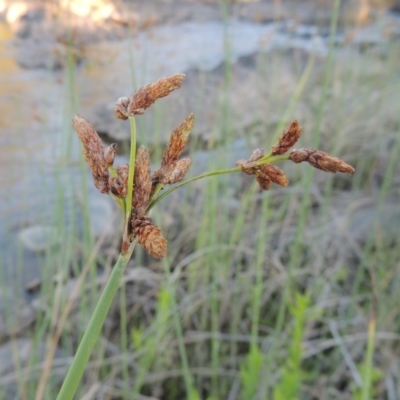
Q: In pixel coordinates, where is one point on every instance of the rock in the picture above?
(102, 215)
(396, 6)
(353, 218)
(39, 237)
(365, 218)
(16, 354)
(173, 49)
(16, 314)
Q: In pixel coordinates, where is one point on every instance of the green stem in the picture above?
(132, 159)
(159, 186)
(187, 377)
(272, 159)
(120, 202)
(92, 332)
(196, 178)
(268, 158)
(367, 378)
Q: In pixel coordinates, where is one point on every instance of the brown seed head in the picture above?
(121, 108)
(123, 172)
(249, 168)
(101, 183)
(149, 236)
(177, 141)
(87, 134)
(256, 155)
(178, 172)
(148, 94)
(143, 183)
(321, 160)
(118, 184)
(263, 181)
(93, 151)
(274, 174)
(109, 154)
(288, 139)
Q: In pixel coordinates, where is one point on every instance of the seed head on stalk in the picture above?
(172, 170)
(320, 160)
(146, 185)
(98, 158)
(267, 173)
(288, 139)
(136, 191)
(146, 96)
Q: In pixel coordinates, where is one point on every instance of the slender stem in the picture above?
(272, 159)
(159, 186)
(132, 159)
(131, 184)
(187, 377)
(266, 157)
(92, 332)
(112, 171)
(196, 178)
(269, 158)
(367, 376)
(120, 202)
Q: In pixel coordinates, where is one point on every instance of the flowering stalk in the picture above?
(93, 329)
(132, 161)
(136, 190)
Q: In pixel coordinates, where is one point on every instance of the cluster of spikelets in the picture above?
(266, 173)
(114, 180)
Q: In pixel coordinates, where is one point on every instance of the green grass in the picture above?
(215, 320)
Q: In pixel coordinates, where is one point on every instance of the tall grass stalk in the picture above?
(136, 191)
(295, 255)
(93, 329)
(368, 369)
(188, 379)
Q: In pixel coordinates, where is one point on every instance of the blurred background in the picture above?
(287, 294)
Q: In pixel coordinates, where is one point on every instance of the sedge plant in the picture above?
(137, 190)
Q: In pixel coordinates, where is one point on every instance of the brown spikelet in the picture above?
(265, 173)
(149, 236)
(148, 94)
(249, 168)
(101, 183)
(321, 160)
(172, 170)
(178, 172)
(87, 135)
(93, 151)
(274, 174)
(263, 181)
(109, 154)
(177, 141)
(121, 108)
(256, 155)
(142, 183)
(288, 139)
(119, 184)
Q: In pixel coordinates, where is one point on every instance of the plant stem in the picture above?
(367, 376)
(196, 178)
(159, 186)
(270, 158)
(132, 159)
(92, 332)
